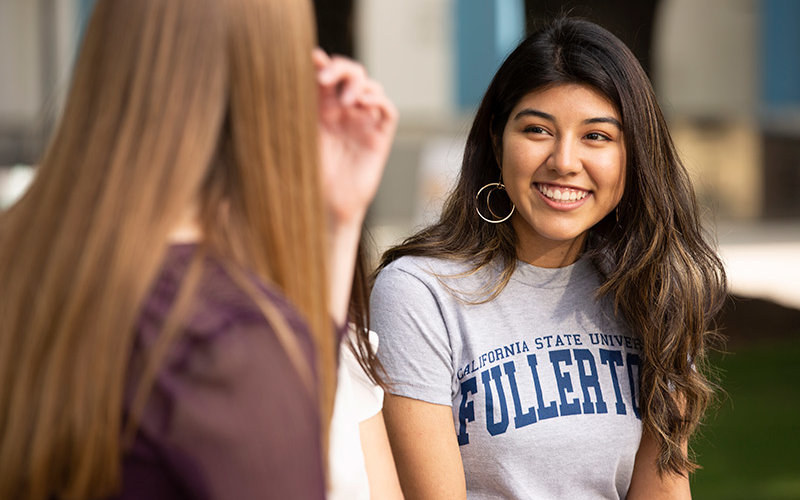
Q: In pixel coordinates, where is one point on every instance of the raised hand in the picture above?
(357, 123)
(356, 127)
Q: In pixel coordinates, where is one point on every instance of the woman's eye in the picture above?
(594, 136)
(533, 129)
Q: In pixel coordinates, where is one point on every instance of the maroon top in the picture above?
(228, 415)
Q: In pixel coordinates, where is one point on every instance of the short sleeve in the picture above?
(367, 396)
(415, 347)
(357, 399)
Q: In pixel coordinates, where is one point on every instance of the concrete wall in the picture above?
(706, 57)
(37, 45)
(407, 46)
(20, 56)
(707, 69)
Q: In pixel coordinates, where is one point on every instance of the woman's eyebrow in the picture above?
(534, 112)
(541, 114)
(603, 119)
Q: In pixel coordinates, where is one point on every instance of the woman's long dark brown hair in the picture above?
(665, 279)
(358, 316)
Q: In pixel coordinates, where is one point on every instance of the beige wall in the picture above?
(706, 75)
(706, 61)
(27, 89)
(407, 46)
(20, 86)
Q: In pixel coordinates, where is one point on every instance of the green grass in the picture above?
(749, 447)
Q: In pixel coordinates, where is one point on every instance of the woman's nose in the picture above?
(565, 158)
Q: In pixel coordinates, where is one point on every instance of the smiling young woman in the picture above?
(563, 164)
(546, 338)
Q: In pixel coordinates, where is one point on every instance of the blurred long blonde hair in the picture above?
(173, 104)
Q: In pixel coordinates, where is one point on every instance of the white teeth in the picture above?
(562, 194)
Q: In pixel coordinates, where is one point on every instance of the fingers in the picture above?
(340, 75)
(374, 100)
(320, 58)
(345, 83)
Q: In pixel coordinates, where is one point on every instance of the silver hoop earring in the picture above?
(495, 186)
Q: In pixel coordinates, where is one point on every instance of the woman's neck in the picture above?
(188, 229)
(557, 254)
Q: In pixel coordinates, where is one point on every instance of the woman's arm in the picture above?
(356, 128)
(381, 472)
(425, 448)
(646, 483)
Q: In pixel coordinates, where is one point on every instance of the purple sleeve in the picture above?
(232, 420)
(249, 423)
(228, 415)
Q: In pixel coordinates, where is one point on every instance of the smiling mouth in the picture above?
(560, 193)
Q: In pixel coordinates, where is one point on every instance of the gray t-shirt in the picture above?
(543, 380)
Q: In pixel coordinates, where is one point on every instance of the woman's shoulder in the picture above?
(445, 278)
(225, 359)
(219, 305)
(427, 267)
(214, 406)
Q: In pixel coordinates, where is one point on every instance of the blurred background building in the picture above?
(727, 73)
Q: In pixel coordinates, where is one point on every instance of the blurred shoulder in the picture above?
(219, 306)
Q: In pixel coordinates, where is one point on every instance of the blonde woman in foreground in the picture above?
(176, 279)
